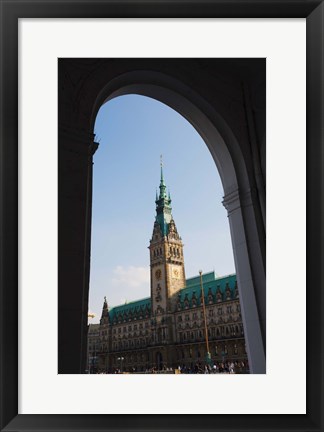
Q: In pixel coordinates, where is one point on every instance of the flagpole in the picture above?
(208, 357)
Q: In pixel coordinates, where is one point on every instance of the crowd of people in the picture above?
(221, 367)
(227, 367)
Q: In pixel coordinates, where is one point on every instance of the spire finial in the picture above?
(161, 165)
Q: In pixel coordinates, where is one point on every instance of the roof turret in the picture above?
(104, 315)
(163, 206)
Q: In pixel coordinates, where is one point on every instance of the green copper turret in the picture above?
(163, 207)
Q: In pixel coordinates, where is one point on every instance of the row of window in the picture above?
(210, 313)
(216, 350)
(124, 319)
(222, 331)
(132, 358)
(134, 327)
(210, 321)
(174, 251)
(131, 334)
(125, 344)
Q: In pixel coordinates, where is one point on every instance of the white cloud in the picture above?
(131, 276)
(119, 284)
(129, 283)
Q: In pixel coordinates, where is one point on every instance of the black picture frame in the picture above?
(11, 11)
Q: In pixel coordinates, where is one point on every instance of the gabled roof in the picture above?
(210, 284)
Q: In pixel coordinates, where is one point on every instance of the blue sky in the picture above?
(133, 131)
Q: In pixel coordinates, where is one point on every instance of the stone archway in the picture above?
(219, 129)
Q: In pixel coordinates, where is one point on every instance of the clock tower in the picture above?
(166, 256)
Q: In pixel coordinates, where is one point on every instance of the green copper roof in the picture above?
(211, 286)
(189, 295)
(207, 277)
(131, 309)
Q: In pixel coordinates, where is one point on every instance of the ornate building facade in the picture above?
(176, 324)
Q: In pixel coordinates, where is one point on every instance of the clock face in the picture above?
(175, 273)
(158, 274)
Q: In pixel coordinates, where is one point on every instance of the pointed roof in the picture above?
(211, 285)
(162, 183)
(104, 308)
(163, 206)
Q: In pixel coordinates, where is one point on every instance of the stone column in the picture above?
(250, 275)
(75, 152)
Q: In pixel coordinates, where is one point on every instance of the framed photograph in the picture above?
(247, 78)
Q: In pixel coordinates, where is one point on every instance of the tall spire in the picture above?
(161, 164)
(163, 207)
(163, 194)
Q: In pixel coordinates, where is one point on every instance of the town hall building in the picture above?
(176, 325)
